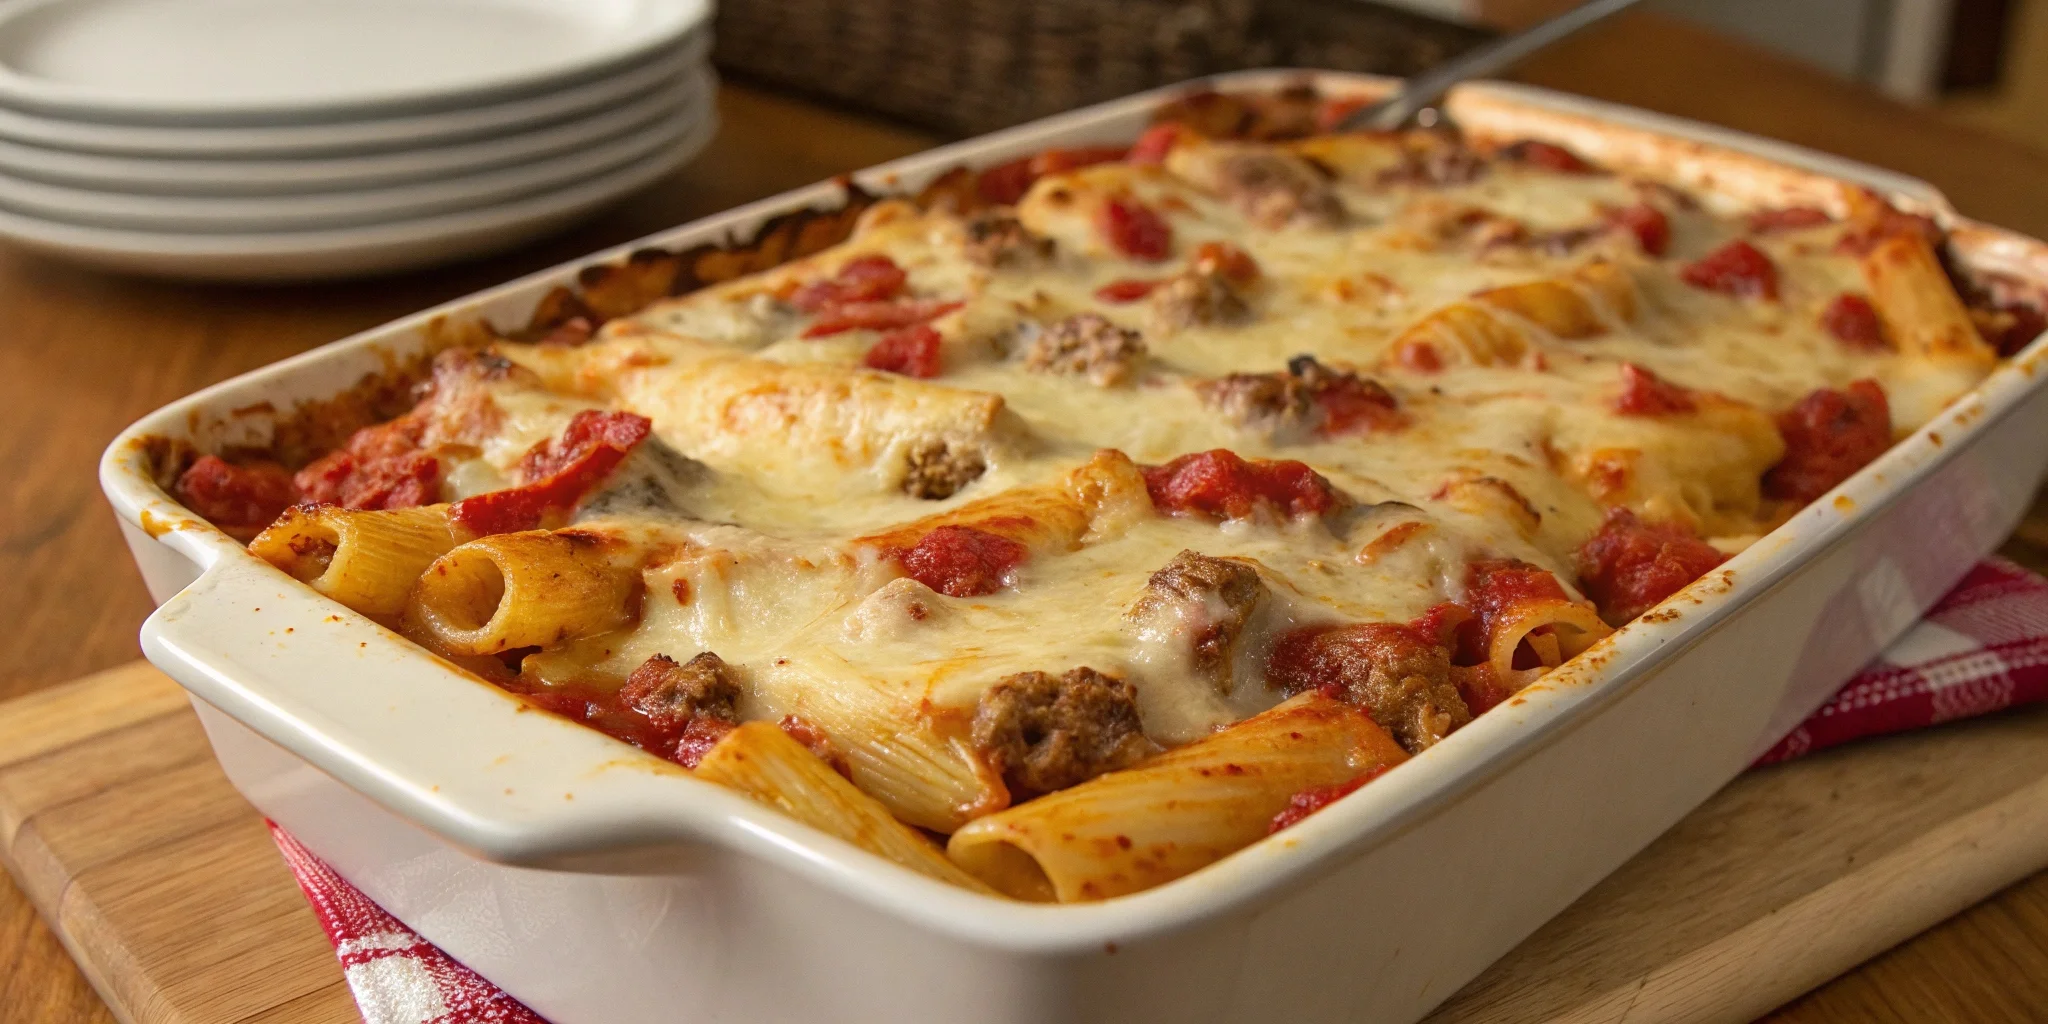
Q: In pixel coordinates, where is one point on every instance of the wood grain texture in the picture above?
(82, 354)
(1787, 877)
(166, 887)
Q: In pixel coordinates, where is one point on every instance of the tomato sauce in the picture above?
(1352, 404)
(961, 561)
(1645, 394)
(1223, 485)
(1128, 290)
(861, 279)
(559, 473)
(1854, 322)
(1315, 798)
(1828, 436)
(1005, 184)
(1419, 356)
(1651, 228)
(1737, 268)
(877, 316)
(381, 467)
(245, 497)
(911, 351)
(1134, 229)
(1631, 565)
(1326, 657)
(1495, 589)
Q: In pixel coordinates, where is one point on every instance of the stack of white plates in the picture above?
(294, 139)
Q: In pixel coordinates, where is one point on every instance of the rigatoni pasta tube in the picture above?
(765, 763)
(1567, 306)
(513, 590)
(1919, 307)
(893, 750)
(1941, 355)
(1131, 830)
(367, 560)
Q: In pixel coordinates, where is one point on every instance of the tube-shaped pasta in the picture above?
(801, 427)
(1466, 332)
(894, 752)
(1130, 830)
(1941, 354)
(367, 560)
(763, 762)
(1575, 625)
(534, 589)
(1583, 304)
(1098, 497)
(1917, 304)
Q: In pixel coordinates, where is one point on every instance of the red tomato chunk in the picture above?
(1135, 230)
(381, 467)
(559, 473)
(1829, 435)
(861, 279)
(1651, 228)
(877, 316)
(245, 497)
(961, 561)
(1353, 404)
(1005, 184)
(703, 733)
(1127, 290)
(1419, 356)
(1738, 268)
(1630, 565)
(1854, 322)
(1645, 394)
(1219, 483)
(912, 352)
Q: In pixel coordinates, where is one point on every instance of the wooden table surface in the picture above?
(82, 354)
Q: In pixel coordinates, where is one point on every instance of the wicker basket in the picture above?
(963, 67)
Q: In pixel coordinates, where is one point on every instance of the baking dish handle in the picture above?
(418, 736)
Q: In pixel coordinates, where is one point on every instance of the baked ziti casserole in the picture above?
(1081, 520)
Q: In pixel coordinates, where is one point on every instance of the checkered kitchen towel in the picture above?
(1982, 649)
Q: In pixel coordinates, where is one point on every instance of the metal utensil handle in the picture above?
(1426, 88)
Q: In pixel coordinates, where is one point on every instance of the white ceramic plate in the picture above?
(380, 135)
(180, 176)
(228, 214)
(280, 61)
(312, 255)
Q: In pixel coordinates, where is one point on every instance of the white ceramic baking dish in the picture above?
(603, 886)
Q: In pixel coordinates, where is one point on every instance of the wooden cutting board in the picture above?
(165, 886)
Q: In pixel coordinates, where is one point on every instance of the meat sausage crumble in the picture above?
(1046, 733)
(1087, 344)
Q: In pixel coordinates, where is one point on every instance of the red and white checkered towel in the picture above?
(1983, 648)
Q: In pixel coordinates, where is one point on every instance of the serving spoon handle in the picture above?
(1424, 89)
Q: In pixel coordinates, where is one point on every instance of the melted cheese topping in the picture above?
(775, 451)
